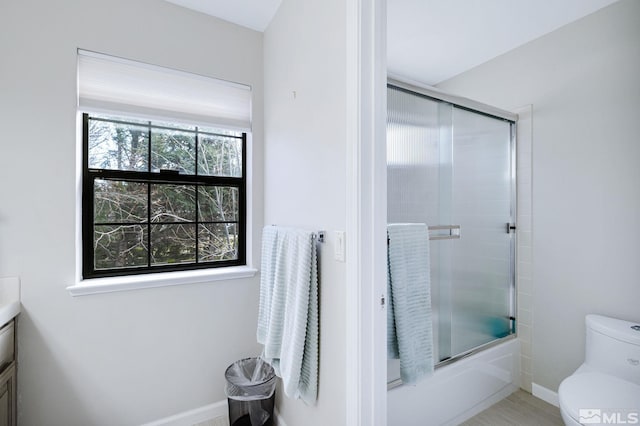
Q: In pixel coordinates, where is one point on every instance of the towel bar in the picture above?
(318, 235)
(454, 232)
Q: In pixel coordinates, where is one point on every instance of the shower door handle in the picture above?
(452, 234)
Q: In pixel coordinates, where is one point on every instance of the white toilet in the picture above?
(606, 388)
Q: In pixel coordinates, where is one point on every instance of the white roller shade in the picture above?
(115, 85)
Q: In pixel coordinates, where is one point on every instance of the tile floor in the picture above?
(519, 409)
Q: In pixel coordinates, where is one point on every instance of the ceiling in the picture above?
(254, 14)
(433, 40)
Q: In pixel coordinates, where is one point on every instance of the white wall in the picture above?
(121, 358)
(305, 169)
(583, 83)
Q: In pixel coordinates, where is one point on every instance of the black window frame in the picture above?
(89, 175)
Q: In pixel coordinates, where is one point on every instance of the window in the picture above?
(163, 176)
(161, 196)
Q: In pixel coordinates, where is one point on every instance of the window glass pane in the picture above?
(172, 244)
(117, 146)
(219, 156)
(119, 201)
(218, 204)
(190, 127)
(217, 242)
(173, 150)
(173, 203)
(121, 246)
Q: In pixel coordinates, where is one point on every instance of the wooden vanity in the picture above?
(9, 310)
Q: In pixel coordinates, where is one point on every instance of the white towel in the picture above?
(288, 311)
(409, 332)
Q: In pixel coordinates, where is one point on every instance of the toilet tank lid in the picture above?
(618, 329)
(584, 391)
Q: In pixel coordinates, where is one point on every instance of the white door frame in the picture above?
(366, 381)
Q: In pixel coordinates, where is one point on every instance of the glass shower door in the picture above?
(451, 167)
(481, 203)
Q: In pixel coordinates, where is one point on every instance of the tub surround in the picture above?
(458, 391)
(524, 265)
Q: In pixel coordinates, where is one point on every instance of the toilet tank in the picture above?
(613, 347)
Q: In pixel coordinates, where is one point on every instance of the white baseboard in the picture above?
(278, 419)
(545, 394)
(218, 412)
(195, 416)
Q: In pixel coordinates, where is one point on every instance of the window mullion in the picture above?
(88, 261)
(149, 201)
(197, 214)
(242, 213)
(174, 178)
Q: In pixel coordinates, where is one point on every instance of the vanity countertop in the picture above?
(9, 299)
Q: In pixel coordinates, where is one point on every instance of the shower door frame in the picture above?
(512, 118)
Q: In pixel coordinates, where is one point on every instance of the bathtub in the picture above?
(458, 391)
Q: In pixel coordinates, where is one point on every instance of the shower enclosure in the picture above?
(452, 167)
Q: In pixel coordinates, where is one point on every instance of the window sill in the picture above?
(136, 282)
